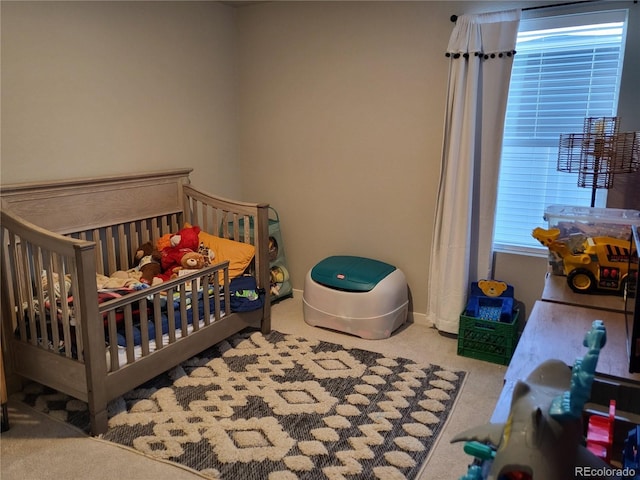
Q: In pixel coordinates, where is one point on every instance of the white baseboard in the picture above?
(419, 318)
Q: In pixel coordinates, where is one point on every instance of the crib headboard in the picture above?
(106, 200)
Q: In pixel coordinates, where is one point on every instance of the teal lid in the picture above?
(354, 274)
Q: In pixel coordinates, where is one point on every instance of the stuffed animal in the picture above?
(182, 243)
(164, 241)
(189, 261)
(171, 257)
(149, 259)
(207, 254)
(187, 238)
(121, 279)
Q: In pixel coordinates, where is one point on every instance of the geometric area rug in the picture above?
(280, 407)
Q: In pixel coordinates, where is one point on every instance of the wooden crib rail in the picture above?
(148, 305)
(104, 201)
(116, 245)
(40, 272)
(39, 267)
(240, 221)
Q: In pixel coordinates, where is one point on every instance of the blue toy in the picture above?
(490, 300)
(630, 453)
(569, 405)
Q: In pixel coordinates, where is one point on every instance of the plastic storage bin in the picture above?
(280, 283)
(578, 223)
(488, 340)
(356, 295)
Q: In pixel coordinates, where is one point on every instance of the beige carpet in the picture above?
(37, 447)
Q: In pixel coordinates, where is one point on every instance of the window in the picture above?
(565, 69)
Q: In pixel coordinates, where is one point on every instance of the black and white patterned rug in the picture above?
(281, 407)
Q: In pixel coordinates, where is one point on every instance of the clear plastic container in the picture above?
(579, 223)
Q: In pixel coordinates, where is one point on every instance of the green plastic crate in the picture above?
(488, 340)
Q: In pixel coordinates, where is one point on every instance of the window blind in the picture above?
(565, 69)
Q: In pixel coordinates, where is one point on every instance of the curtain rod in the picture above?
(455, 17)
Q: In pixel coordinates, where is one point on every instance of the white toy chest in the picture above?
(356, 295)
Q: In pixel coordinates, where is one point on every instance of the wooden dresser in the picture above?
(555, 329)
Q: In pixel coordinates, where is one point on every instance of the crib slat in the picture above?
(236, 227)
(113, 340)
(25, 292)
(216, 219)
(171, 315)
(123, 243)
(163, 223)
(216, 293)
(175, 223)
(158, 315)
(195, 303)
(206, 300)
(79, 320)
(247, 229)
(195, 211)
(128, 333)
(204, 222)
(155, 229)
(143, 232)
(65, 314)
(111, 253)
(99, 252)
(9, 313)
(144, 327)
(183, 309)
(227, 294)
(51, 294)
(134, 243)
(18, 284)
(225, 224)
(39, 293)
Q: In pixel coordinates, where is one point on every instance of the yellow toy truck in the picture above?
(596, 263)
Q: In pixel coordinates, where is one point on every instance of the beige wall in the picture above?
(342, 107)
(330, 111)
(91, 88)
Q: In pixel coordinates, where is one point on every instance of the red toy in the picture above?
(187, 238)
(600, 433)
(184, 242)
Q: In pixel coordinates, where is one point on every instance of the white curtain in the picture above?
(480, 50)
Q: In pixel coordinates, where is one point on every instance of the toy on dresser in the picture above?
(543, 436)
(591, 264)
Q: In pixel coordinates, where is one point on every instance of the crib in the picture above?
(61, 330)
